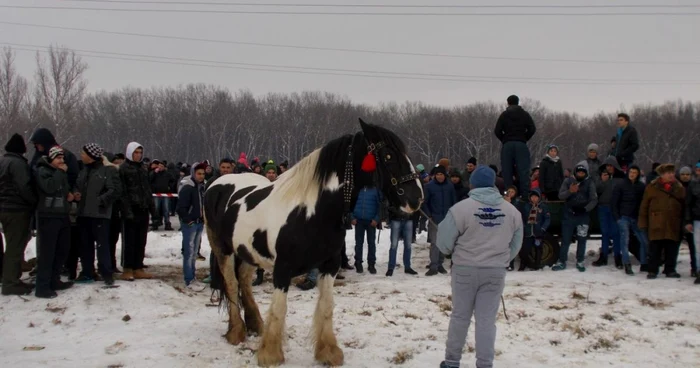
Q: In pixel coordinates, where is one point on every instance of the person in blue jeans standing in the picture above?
(579, 194)
(365, 219)
(190, 210)
(401, 226)
(626, 201)
(440, 195)
(610, 176)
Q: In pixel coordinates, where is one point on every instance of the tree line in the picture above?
(196, 121)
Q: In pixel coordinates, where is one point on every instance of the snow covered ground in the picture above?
(593, 319)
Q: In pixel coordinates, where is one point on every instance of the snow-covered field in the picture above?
(568, 319)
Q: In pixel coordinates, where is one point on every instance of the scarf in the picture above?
(532, 216)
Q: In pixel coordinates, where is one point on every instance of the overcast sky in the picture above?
(620, 38)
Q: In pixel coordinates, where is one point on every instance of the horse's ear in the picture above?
(368, 130)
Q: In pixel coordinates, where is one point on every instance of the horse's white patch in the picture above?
(333, 183)
(413, 171)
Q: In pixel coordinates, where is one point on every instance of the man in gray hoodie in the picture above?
(483, 233)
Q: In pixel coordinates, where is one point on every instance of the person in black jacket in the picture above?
(43, 140)
(162, 182)
(17, 202)
(97, 191)
(551, 174)
(626, 200)
(53, 223)
(137, 203)
(401, 226)
(692, 217)
(190, 211)
(627, 142)
(460, 190)
(685, 176)
(514, 129)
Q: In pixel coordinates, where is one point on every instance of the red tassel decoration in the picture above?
(369, 164)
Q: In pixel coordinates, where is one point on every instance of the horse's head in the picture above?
(396, 175)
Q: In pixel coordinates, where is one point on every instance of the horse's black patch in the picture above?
(260, 244)
(219, 218)
(243, 253)
(254, 199)
(241, 193)
(228, 225)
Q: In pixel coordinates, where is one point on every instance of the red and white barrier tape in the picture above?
(168, 195)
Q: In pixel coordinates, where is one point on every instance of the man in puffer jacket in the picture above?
(551, 173)
(440, 195)
(366, 219)
(483, 233)
(191, 213)
(581, 198)
(137, 203)
(536, 220)
(610, 175)
(626, 200)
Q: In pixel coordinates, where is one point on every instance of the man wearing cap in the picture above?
(483, 234)
(17, 202)
(661, 216)
(97, 191)
(439, 197)
(579, 194)
(514, 129)
(53, 223)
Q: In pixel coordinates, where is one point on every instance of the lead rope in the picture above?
(348, 187)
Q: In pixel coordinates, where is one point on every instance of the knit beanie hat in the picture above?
(269, 167)
(483, 177)
(16, 145)
(455, 172)
(685, 170)
(54, 152)
(93, 151)
(592, 147)
(420, 168)
(472, 160)
(439, 169)
(549, 147)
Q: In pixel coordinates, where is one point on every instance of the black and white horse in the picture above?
(296, 224)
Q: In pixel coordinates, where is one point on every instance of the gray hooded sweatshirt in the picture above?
(481, 231)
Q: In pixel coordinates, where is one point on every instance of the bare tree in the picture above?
(13, 95)
(60, 87)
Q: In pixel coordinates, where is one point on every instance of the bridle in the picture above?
(376, 149)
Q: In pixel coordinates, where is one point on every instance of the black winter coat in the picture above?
(692, 202)
(53, 189)
(190, 201)
(162, 182)
(137, 189)
(627, 146)
(515, 125)
(627, 198)
(97, 185)
(16, 190)
(45, 138)
(551, 175)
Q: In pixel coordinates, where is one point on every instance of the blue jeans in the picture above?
(404, 227)
(696, 239)
(362, 227)
(312, 275)
(627, 224)
(516, 154)
(574, 225)
(191, 240)
(609, 230)
(162, 210)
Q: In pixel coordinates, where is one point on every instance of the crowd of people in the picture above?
(79, 208)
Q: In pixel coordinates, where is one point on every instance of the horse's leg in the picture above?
(236, 328)
(326, 349)
(270, 352)
(253, 319)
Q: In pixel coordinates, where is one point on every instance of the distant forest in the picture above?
(196, 122)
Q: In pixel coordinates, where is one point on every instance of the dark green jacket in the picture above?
(98, 188)
(53, 188)
(16, 188)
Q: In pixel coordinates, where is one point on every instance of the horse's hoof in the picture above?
(330, 355)
(235, 336)
(270, 358)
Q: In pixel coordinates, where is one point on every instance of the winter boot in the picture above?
(168, 227)
(259, 274)
(628, 269)
(522, 267)
(410, 271)
(128, 274)
(358, 267)
(389, 273)
(618, 262)
(200, 257)
(442, 270)
(60, 285)
(580, 267)
(45, 294)
(673, 275)
(643, 268)
(346, 266)
(306, 285)
(371, 269)
(602, 261)
(140, 274)
(431, 272)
